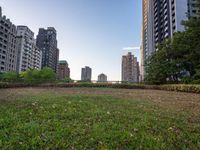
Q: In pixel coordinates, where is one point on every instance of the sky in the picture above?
(93, 33)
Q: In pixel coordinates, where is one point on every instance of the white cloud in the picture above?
(131, 48)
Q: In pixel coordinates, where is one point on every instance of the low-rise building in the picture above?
(63, 70)
(102, 78)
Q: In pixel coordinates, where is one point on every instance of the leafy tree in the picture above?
(47, 74)
(31, 76)
(34, 76)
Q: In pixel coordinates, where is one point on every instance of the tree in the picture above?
(47, 74)
(31, 76)
(34, 76)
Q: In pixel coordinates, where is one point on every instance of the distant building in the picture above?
(47, 42)
(8, 48)
(86, 74)
(63, 70)
(29, 55)
(130, 68)
(102, 78)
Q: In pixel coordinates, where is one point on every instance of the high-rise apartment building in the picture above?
(63, 70)
(192, 10)
(8, 49)
(86, 74)
(147, 46)
(37, 56)
(130, 68)
(102, 78)
(161, 19)
(47, 42)
(29, 55)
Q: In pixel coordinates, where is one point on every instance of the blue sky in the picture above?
(90, 32)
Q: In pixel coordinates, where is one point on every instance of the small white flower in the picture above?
(108, 112)
(53, 106)
(135, 130)
(33, 104)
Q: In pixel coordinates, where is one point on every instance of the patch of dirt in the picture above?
(187, 102)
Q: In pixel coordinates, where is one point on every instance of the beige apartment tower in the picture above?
(130, 68)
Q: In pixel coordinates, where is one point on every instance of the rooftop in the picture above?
(63, 62)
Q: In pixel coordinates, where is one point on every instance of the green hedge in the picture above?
(181, 88)
(171, 87)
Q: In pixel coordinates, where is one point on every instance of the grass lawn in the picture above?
(87, 118)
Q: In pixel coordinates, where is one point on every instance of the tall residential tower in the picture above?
(29, 55)
(47, 42)
(86, 74)
(8, 48)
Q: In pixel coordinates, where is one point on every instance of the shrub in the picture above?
(68, 80)
(10, 76)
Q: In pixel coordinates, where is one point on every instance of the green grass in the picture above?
(92, 121)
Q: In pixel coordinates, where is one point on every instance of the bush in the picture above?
(191, 88)
(181, 88)
(10, 76)
(3, 84)
(67, 80)
(1, 76)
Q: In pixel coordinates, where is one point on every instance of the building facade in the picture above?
(29, 55)
(192, 10)
(161, 19)
(102, 78)
(147, 46)
(63, 70)
(37, 56)
(130, 68)
(8, 48)
(86, 74)
(47, 42)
